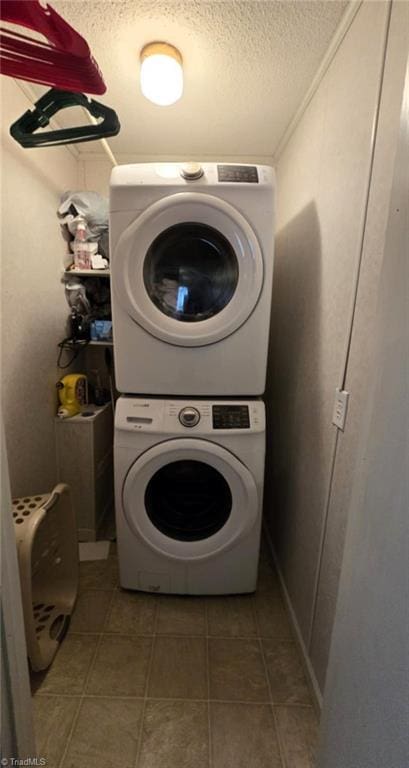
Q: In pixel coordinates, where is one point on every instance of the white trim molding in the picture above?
(341, 31)
(312, 680)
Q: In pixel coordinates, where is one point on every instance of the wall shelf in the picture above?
(88, 272)
(83, 343)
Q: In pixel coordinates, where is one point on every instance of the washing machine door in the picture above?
(189, 499)
(189, 269)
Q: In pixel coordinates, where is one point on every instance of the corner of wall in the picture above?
(33, 302)
(318, 246)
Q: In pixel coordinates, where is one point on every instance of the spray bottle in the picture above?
(82, 255)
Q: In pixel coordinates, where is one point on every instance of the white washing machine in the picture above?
(188, 494)
(192, 264)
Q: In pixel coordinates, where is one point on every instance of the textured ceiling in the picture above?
(247, 67)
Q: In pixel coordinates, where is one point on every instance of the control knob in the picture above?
(191, 171)
(189, 417)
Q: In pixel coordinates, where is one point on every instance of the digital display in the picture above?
(241, 173)
(231, 417)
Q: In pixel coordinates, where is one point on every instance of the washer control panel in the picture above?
(231, 417)
(189, 416)
(204, 417)
(196, 418)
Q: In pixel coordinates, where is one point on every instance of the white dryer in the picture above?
(188, 494)
(192, 264)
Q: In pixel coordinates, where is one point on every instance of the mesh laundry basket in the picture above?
(48, 561)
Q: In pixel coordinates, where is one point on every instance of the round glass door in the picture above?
(190, 272)
(188, 500)
(189, 269)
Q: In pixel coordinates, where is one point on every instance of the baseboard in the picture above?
(312, 680)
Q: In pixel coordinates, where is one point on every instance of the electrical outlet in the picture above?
(340, 408)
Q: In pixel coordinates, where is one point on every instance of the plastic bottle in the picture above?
(82, 256)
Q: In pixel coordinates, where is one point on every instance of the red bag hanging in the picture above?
(64, 61)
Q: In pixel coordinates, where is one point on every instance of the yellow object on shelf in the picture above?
(72, 394)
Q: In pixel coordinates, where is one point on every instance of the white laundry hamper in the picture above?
(47, 550)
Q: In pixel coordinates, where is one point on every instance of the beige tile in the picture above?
(269, 606)
(132, 613)
(271, 616)
(107, 531)
(175, 735)
(298, 731)
(113, 549)
(120, 667)
(267, 579)
(181, 616)
(237, 671)
(231, 616)
(36, 680)
(99, 574)
(243, 735)
(106, 734)
(178, 668)
(90, 611)
(70, 667)
(53, 718)
(286, 674)
(264, 549)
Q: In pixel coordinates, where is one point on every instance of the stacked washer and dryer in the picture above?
(191, 265)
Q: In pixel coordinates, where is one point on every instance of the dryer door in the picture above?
(189, 269)
(189, 499)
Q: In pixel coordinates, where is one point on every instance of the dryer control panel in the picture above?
(238, 173)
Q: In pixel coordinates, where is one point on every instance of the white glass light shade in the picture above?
(161, 73)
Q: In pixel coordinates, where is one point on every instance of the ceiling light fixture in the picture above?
(161, 73)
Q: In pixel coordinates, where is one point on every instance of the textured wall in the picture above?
(323, 176)
(365, 719)
(34, 310)
(361, 351)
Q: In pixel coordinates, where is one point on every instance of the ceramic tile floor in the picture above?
(149, 681)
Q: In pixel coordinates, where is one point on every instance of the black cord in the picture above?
(74, 346)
